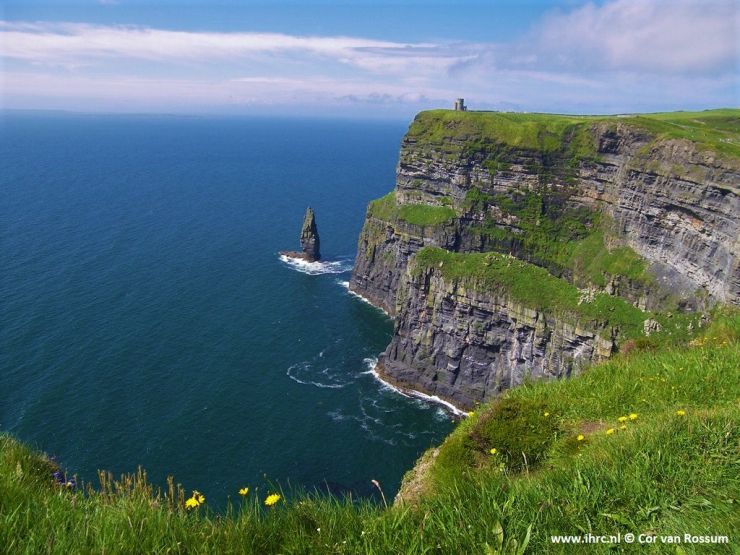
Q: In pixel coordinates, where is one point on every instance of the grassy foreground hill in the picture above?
(646, 443)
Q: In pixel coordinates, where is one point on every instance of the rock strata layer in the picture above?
(466, 346)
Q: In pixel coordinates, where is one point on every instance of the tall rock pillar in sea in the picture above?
(310, 236)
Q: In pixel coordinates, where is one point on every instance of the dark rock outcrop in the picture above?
(466, 345)
(310, 242)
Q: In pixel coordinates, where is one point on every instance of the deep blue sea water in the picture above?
(146, 318)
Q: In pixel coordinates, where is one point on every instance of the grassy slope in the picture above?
(665, 473)
(717, 130)
(386, 208)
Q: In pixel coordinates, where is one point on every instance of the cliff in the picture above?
(640, 208)
(470, 326)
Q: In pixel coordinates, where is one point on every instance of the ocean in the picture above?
(148, 320)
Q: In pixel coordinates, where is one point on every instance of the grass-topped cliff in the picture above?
(669, 469)
(641, 206)
(714, 130)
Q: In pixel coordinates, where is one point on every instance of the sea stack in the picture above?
(309, 239)
(310, 236)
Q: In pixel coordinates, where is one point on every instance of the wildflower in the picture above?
(547, 414)
(192, 503)
(471, 413)
(623, 427)
(622, 419)
(633, 416)
(493, 451)
(243, 492)
(610, 431)
(680, 412)
(580, 437)
(199, 497)
(272, 499)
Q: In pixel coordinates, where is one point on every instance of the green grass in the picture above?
(387, 209)
(664, 474)
(556, 236)
(537, 132)
(570, 136)
(591, 259)
(530, 285)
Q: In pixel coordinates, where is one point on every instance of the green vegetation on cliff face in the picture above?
(386, 208)
(717, 130)
(557, 236)
(534, 287)
(668, 472)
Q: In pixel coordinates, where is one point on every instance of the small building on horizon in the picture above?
(460, 105)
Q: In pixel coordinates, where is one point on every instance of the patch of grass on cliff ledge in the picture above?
(531, 285)
(387, 209)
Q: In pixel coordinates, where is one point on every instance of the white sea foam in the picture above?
(305, 370)
(369, 363)
(319, 267)
(411, 393)
(345, 284)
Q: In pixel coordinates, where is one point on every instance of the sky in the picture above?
(369, 59)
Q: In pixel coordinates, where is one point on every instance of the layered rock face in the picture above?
(466, 345)
(677, 207)
(612, 205)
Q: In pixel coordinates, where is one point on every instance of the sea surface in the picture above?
(147, 319)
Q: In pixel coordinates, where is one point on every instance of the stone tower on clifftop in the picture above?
(310, 236)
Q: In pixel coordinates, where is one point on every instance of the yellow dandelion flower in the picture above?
(200, 498)
(580, 437)
(680, 412)
(493, 451)
(623, 427)
(243, 492)
(622, 419)
(547, 414)
(633, 416)
(272, 499)
(192, 503)
(610, 431)
(471, 413)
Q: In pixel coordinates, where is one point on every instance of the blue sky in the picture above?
(368, 59)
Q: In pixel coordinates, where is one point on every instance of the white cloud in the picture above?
(618, 56)
(65, 43)
(643, 36)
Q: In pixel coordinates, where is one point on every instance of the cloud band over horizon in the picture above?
(624, 55)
